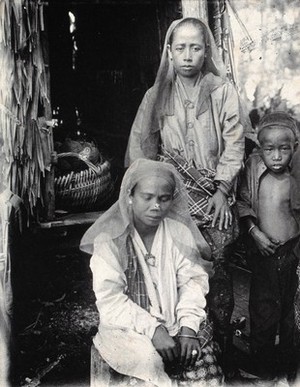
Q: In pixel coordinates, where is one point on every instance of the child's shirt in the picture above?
(254, 200)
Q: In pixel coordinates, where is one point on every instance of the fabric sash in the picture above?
(137, 290)
(200, 186)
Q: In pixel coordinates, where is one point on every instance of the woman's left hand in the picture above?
(190, 350)
(219, 203)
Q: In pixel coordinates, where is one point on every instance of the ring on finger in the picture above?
(194, 352)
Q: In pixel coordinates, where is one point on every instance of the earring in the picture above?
(130, 201)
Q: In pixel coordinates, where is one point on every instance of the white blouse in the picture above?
(176, 286)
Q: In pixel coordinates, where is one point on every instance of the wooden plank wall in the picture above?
(195, 8)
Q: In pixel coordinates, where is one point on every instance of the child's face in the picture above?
(152, 199)
(277, 148)
(187, 50)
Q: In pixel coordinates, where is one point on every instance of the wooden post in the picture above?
(195, 8)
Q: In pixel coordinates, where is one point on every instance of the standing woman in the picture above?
(150, 282)
(191, 115)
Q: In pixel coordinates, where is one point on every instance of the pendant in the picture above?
(150, 259)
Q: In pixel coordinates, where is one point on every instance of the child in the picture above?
(265, 210)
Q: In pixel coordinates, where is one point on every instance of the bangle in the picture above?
(223, 190)
(251, 228)
(188, 336)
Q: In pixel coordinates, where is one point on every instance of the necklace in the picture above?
(150, 259)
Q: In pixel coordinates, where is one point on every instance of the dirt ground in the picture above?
(55, 316)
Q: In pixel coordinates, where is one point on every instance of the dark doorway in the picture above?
(118, 51)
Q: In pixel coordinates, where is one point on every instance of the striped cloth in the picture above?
(205, 333)
(201, 187)
(137, 290)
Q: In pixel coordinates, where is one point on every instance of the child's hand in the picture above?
(219, 203)
(164, 344)
(266, 245)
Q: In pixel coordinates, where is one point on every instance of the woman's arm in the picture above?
(226, 117)
(192, 284)
(116, 309)
(226, 111)
(134, 150)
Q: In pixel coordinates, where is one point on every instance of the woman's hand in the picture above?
(266, 246)
(188, 346)
(164, 344)
(219, 203)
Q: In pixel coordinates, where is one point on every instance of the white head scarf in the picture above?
(117, 222)
(164, 82)
(212, 62)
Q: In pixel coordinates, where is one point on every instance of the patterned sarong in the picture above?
(201, 187)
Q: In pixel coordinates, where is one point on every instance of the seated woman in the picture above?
(150, 282)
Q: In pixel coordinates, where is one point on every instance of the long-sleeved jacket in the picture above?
(177, 285)
(207, 131)
(182, 304)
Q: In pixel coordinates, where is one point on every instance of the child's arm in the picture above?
(247, 214)
(295, 182)
(265, 245)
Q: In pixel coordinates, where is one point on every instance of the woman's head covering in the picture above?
(116, 223)
(212, 63)
(145, 169)
(164, 82)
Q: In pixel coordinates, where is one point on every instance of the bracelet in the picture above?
(223, 190)
(251, 228)
(188, 336)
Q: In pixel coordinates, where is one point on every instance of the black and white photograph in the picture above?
(150, 193)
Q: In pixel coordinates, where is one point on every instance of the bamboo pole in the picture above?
(195, 8)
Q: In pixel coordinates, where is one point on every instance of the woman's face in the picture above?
(187, 50)
(151, 201)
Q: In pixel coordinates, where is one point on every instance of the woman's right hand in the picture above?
(266, 245)
(164, 344)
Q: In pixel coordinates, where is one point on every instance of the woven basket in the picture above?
(84, 189)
